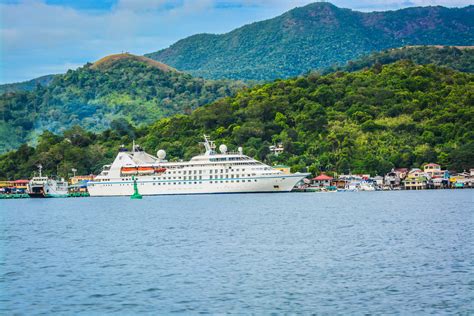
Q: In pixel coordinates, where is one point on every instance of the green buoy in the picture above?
(135, 195)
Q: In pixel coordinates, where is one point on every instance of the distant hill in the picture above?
(26, 85)
(458, 58)
(118, 89)
(315, 36)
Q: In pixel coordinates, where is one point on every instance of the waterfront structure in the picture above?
(81, 179)
(416, 180)
(394, 178)
(323, 180)
(434, 171)
(462, 180)
(13, 187)
(378, 181)
(210, 172)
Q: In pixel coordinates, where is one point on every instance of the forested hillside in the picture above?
(315, 36)
(119, 87)
(29, 85)
(458, 58)
(371, 120)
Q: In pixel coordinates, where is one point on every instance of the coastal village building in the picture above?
(434, 171)
(77, 179)
(276, 149)
(439, 178)
(282, 168)
(416, 180)
(378, 180)
(13, 186)
(462, 180)
(322, 180)
(394, 178)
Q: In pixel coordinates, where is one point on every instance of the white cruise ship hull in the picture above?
(148, 186)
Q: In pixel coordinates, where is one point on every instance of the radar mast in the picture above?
(209, 145)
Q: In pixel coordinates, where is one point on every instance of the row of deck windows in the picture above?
(195, 182)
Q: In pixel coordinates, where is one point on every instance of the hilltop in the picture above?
(121, 88)
(111, 60)
(367, 121)
(315, 36)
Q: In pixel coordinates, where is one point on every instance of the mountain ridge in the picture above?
(315, 36)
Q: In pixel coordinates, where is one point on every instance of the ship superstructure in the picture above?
(210, 172)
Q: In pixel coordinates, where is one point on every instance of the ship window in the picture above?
(210, 181)
(210, 177)
(210, 171)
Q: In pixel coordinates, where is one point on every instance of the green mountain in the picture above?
(29, 85)
(316, 36)
(458, 58)
(119, 88)
(400, 114)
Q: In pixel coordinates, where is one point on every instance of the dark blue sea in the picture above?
(330, 253)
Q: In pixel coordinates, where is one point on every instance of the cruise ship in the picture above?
(210, 172)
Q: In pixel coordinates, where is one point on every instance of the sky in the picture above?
(40, 37)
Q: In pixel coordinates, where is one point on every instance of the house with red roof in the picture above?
(323, 180)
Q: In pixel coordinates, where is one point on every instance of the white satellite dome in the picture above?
(240, 149)
(223, 148)
(161, 154)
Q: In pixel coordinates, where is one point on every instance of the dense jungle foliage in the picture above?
(315, 36)
(131, 87)
(369, 121)
(461, 59)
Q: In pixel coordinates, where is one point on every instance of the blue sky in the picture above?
(39, 37)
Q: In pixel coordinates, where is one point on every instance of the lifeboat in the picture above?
(128, 170)
(146, 170)
(160, 170)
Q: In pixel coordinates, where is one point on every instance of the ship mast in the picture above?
(209, 145)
